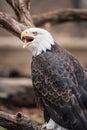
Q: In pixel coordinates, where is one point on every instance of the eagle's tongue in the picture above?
(27, 40)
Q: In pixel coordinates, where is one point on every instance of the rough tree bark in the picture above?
(18, 122)
(12, 25)
(16, 26)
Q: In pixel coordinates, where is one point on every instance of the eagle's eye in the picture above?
(35, 33)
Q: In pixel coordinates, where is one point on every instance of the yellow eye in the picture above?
(35, 33)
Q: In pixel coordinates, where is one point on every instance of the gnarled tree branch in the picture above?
(55, 17)
(60, 16)
(12, 25)
(18, 122)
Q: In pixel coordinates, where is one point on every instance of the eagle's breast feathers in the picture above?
(55, 81)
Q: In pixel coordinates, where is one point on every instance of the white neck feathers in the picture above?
(41, 44)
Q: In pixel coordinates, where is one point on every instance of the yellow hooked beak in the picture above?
(27, 38)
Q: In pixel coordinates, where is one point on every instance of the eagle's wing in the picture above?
(61, 95)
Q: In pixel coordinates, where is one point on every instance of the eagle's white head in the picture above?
(37, 40)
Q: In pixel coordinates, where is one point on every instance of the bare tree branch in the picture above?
(12, 25)
(55, 17)
(60, 16)
(22, 11)
(17, 122)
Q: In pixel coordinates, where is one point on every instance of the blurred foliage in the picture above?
(1, 128)
(39, 119)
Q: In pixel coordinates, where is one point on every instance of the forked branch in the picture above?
(22, 11)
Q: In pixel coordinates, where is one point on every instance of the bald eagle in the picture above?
(59, 81)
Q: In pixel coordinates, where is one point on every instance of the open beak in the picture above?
(26, 38)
